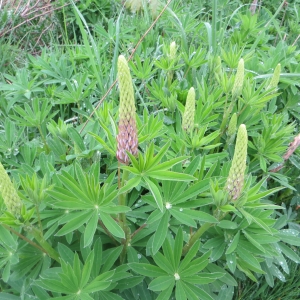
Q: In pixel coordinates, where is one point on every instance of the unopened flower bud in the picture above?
(218, 68)
(189, 112)
(235, 180)
(239, 80)
(275, 78)
(173, 50)
(127, 138)
(231, 130)
(9, 194)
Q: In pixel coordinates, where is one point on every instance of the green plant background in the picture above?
(58, 144)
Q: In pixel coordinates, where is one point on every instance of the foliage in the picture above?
(164, 226)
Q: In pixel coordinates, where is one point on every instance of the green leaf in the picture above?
(192, 191)
(290, 236)
(199, 292)
(167, 164)
(166, 294)
(163, 263)
(97, 248)
(189, 256)
(161, 283)
(76, 138)
(109, 258)
(254, 242)
(178, 247)
(263, 238)
(202, 216)
(130, 184)
(196, 265)
(263, 194)
(190, 294)
(72, 185)
(147, 269)
(90, 229)
(6, 272)
(227, 278)
(228, 208)
(157, 158)
(111, 225)
(96, 286)
(262, 224)
(182, 215)
(179, 291)
(116, 209)
(128, 283)
(7, 239)
(242, 267)
(227, 224)
(247, 257)
(203, 278)
(169, 175)
(75, 223)
(65, 253)
(111, 151)
(6, 296)
(155, 192)
(288, 252)
(161, 232)
(231, 261)
(232, 246)
(87, 269)
(54, 285)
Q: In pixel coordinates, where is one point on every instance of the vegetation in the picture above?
(149, 150)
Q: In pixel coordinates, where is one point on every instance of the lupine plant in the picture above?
(170, 187)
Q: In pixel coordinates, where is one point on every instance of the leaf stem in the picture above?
(46, 248)
(195, 237)
(138, 230)
(45, 245)
(122, 216)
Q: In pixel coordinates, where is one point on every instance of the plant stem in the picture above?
(107, 232)
(195, 237)
(122, 216)
(214, 25)
(43, 139)
(46, 248)
(138, 230)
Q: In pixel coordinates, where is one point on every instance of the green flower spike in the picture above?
(127, 139)
(218, 68)
(231, 131)
(173, 50)
(9, 194)
(239, 80)
(189, 112)
(235, 180)
(275, 78)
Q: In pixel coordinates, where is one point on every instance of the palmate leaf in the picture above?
(84, 191)
(148, 166)
(74, 222)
